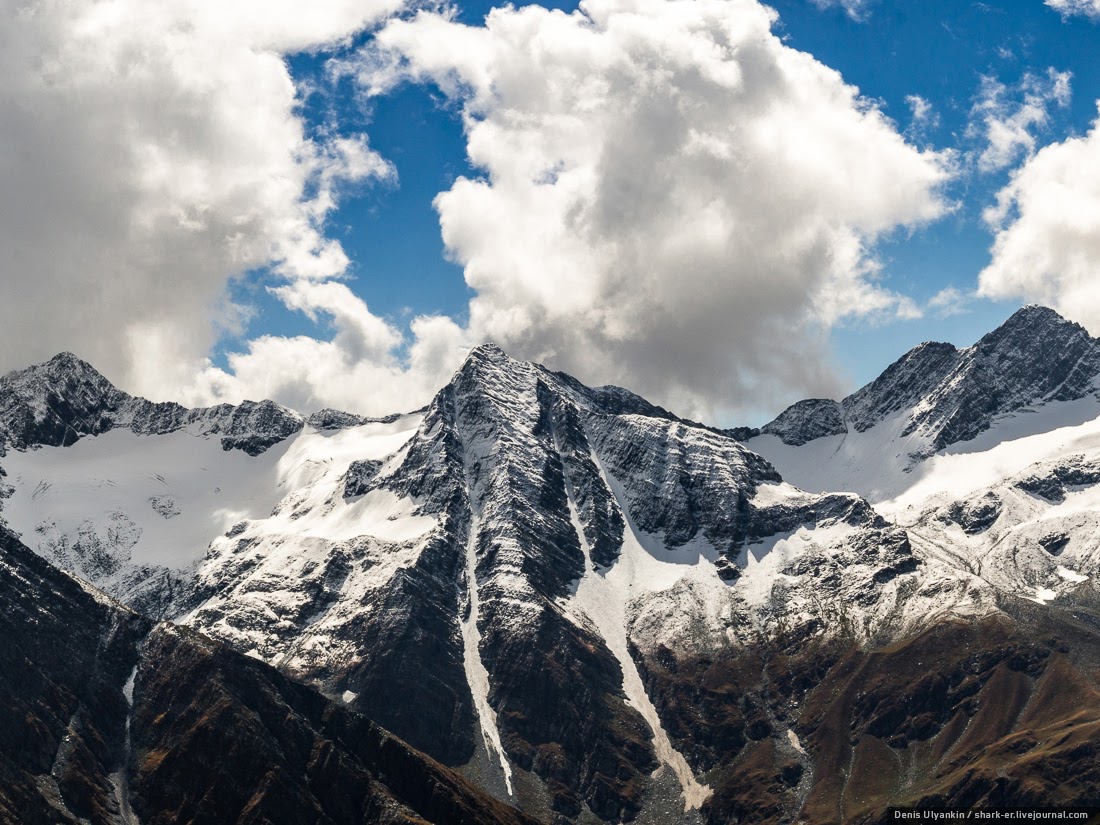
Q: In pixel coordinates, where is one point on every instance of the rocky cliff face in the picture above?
(591, 608)
(947, 395)
(806, 421)
(111, 718)
(56, 403)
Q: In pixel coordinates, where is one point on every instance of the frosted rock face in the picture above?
(557, 504)
(948, 395)
(56, 403)
(806, 420)
(328, 419)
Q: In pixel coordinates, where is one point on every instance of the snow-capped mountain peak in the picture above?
(937, 395)
(64, 399)
(590, 606)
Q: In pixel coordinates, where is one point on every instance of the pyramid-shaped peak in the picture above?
(56, 402)
(67, 358)
(488, 362)
(1033, 312)
(489, 351)
(67, 362)
(63, 368)
(1028, 323)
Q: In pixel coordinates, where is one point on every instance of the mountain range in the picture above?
(534, 600)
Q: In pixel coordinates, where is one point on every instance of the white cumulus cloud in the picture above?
(671, 198)
(150, 152)
(1047, 224)
(923, 116)
(949, 301)
(356, 369)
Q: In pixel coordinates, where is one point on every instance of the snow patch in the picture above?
(180, 490)
(1044, 595)
(761, 563)
(120, 779)
(796, 743)
(770, 495)
(603, 596)
(476, 674)
(92, 483)
(1070, 575)
(128, 688)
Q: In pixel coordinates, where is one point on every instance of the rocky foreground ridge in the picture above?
(597, 611)
(110, 717)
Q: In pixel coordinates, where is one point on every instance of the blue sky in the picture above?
(941, 50)
(663, 194)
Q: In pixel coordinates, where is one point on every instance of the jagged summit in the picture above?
(1033, 327)
(64, 373)
(608, 399)
(947, 395)
(808, 420)
(69, 361)
(57, 402)
(1032, 318)
(488, 351)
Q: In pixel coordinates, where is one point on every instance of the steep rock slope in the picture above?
(1036, 373)
(1000, 711)
(502, 570)
(596, 610)
(109, 718)
(936, 395)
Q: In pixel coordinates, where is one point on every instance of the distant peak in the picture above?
(62, 365)
(1028, 322)
(808, 420)
(1035, 313)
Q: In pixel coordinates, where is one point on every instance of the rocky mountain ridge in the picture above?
(111, 718)
(65, 399)
(948, 395)
(598, 611)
